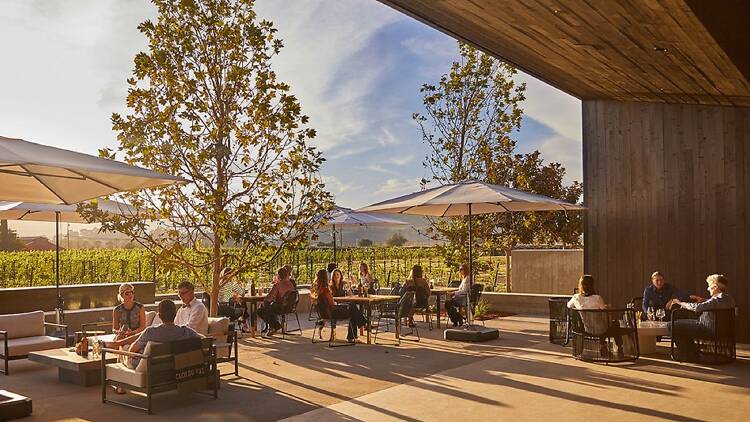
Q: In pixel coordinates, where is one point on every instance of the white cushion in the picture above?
(223, 350)
(121, 373)
(150, 315)
(29, 324)
(218, 328)
(22, 346)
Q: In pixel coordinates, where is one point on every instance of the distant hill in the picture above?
(379, 234)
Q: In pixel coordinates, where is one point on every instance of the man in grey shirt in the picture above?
(164, 333)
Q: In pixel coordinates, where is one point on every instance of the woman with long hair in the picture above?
(327, 306)
(338, 287)
(421, 288)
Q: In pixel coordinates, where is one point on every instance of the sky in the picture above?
(355, 65)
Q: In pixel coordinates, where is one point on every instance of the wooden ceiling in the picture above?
(675, 51)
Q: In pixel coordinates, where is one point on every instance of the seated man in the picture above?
(193, 312)
(273, 303)
(165, 332)
(685, 331)
(660, 294)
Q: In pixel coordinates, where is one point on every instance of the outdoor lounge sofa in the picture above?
(23, 333)
(225, 341)
(186, 365)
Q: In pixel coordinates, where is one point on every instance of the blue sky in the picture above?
(355, 65)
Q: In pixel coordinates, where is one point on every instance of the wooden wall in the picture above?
(665, 187)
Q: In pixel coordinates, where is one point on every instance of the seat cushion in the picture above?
(150, 315)
(29, 324)
(218, 327)
(223, 350)
(22, 346)
(121, 373)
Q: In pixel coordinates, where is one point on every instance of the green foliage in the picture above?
(397, 239)
(8, 239)
(468, 123)
(481, 309)
(364, 242)
(205, 104)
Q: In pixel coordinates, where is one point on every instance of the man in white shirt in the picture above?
(192, 313)
(459, 298)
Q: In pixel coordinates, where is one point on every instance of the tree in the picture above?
(8, 238)
(396, 240)
(205, 104)
(363, 243)
(468, 123)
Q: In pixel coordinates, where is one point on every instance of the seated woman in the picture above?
(459, 297)
(325, 298)
(129, 317)
(587, 299)
(366, 280)
(421, 288)
(338, 287)
(686, 330)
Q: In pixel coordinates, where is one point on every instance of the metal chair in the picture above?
(324, 316)
(559, 321)
(289, 307)
(715, 340)
(476, 294)
(422, 305)
(593, 332)
(403, 309)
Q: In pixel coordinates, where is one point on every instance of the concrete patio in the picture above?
(520, 376)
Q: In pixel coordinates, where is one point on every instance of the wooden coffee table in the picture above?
(72, 368)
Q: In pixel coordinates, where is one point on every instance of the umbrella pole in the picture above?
(471, 276)
(334, 243)
(60, 303)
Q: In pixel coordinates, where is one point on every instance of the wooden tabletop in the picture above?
(440, 290)
(256, 298)
(368, 299)
(67, 359)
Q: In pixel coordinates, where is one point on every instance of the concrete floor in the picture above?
(520, 377)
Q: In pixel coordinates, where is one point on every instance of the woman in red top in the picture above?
(325, 298)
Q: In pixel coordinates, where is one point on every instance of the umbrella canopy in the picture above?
(341, 216)
(41, 174)
(468, 197)
(26, 211)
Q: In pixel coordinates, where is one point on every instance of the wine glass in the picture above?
(660, 314)
(650, 313)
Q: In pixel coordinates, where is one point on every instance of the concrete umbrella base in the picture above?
(471, 333)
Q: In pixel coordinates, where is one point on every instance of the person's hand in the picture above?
(697, 298)
(671, 302)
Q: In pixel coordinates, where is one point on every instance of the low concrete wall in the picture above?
(82, 296)
(552, 271)
(519, 303)
(75, 318)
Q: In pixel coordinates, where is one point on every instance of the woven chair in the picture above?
(715, 344)
(559, 321)
(595, 333)
(404, 308)
(325, 316)
(289, 307)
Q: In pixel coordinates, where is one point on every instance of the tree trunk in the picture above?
(216, 277)
(507, 271)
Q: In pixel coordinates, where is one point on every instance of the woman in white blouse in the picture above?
(586, 298)
(595, 323)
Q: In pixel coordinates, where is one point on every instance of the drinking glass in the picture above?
(650, 313)
(660, 314)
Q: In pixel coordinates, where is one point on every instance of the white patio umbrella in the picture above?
(347, 217)
(467, 198)
(42, 174)
(25, 211)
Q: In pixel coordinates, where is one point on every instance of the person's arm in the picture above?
(139, 341)
(115, 321)
(679, 294)
(600, 302)
(710, 303)
(572, 302)
(271, 296)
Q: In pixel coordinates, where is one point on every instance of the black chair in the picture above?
(715, 342)
(636, 304)
(313, 308)
(594, 332)
(404, 308)
(476, 294)
(324, 315)
(422, 305)
(454, 283)
(559, 321)
(289, 307)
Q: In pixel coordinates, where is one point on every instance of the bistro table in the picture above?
(368, 301)
(438, 292)
(251, 303)
(647, 333)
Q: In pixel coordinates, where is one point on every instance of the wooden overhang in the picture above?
(673, 51)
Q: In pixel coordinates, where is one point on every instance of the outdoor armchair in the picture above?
(715, 339)
(604, 335)
(404, 309)
(23, 333)
(184, 365)
(225, 341)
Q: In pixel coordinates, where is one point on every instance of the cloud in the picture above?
(389, 139)
(398, 186)
(565, 151)
(402, 160)
(337, 186)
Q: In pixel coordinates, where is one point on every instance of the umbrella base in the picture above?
(471, 333)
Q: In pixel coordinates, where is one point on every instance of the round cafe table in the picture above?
(647, 333)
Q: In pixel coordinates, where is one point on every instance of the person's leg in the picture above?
(683, 332)
(451, 307)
